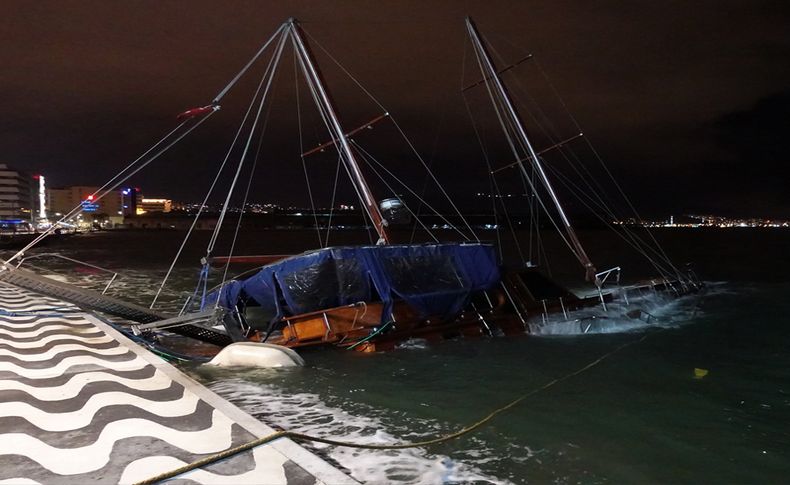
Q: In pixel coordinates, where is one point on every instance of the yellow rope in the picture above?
(418, 444)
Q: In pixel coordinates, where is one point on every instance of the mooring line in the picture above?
(417, 444)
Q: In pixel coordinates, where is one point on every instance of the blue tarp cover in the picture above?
(435, 279)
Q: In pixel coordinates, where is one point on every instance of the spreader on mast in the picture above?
(313, 76)
(490, 74)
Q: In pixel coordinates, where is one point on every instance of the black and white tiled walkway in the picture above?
(80, 403)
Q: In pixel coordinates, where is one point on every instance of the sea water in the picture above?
(648, 413)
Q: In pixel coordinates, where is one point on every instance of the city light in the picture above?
(42, 198)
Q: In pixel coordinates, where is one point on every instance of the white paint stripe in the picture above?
(73, 386)
(43, 317)
(80, 418)
(19, 481)
(65, 364)
(26, 296)
(45, 308)
(59, 349)
(96, 338)
(21, 333)
(268, 469)
(71, 461)
(16, 325)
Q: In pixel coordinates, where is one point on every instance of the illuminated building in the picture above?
(42, 197)
(62, 200)
(155, 205)
(17, 194)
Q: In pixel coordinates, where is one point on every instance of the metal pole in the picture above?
(311, 71)
(493, 75)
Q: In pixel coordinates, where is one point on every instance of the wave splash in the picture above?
(307, 413)
(643, 312)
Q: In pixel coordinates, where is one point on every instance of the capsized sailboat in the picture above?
(368, 297)
(372, 297)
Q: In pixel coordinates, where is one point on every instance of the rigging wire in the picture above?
(507, 131)
(638, 241)
(301, 151)
(579, 193)
(233, 81)
(434, 150)
(401, 132)
(332, 203)
(497, 196)
(412, 192)
(113, 183)
(551, 134)
(271, 74)
(325, 118)
(247, 191)
(369, 223)
(365, 157)
(203, 205)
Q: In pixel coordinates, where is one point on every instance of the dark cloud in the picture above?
(89, 85)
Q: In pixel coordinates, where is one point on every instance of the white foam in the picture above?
(307, 413)
(413, 343)
(656, 310)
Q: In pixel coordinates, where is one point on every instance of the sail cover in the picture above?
(434, 279)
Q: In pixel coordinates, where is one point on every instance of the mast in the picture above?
(360, 184)
(490, 72)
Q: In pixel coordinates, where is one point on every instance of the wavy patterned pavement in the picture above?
(80, 403)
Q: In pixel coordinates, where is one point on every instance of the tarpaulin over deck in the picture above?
(435, 279)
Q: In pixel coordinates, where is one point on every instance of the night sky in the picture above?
(688, 102)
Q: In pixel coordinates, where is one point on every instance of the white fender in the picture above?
(256, 354)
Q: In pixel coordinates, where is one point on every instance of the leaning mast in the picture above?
(314, 78)
(490, 73)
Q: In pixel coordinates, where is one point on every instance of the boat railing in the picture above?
(209, 316)
(600, 280)
(113, 274)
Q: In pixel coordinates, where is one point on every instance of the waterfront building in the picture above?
(17, 194)
(131, 200)
(155, 205)
(62, 200)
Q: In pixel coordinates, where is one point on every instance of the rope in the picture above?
(417, 444)
(369, 337)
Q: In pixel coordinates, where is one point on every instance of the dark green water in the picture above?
(638, 417)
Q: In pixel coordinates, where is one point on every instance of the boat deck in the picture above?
(81, 403)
